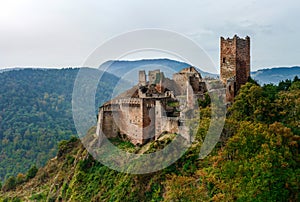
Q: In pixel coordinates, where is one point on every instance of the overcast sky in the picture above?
(62, 33)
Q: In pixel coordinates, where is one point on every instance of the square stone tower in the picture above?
(234, 64)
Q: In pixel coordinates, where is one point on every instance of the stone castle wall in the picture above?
(227, 59)
(234, 64)
(142, 78)
(152, 76)
(243, 61)
(122, 118)
(144, 114)
(140, 122)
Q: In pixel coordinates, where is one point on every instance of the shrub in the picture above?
(20, 178)
(31, 172)
(9, 184)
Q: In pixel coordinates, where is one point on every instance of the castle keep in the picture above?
(159, 105)
(152, 107)
(234, 64)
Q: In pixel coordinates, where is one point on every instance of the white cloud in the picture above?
(64, 33)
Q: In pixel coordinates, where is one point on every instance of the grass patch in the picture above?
(125, 145)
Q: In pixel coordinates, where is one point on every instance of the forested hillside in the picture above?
(36, 113)
(257, 159)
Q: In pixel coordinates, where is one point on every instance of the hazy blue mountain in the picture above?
(129, 69)
(9, 69)
(275, 75)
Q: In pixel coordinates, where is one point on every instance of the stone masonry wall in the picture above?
(146, 117)
(227, 59)
(243, 61)
(234, 64)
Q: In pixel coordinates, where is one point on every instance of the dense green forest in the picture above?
(36, 113)
(256, 159)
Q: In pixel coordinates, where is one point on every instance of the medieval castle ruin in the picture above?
(234, 64)
(157, 104)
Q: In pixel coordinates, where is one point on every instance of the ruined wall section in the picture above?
(228, 58)
(141, 120)
(124, 117)
(171, 125)
(194, 82)
(230, 90)
(148, 126)
(143, 113)
(130, 119)
(152, 75)
(105, 118)
(234, 64)
(181, 81)
(164, 123)
(189, 77)
(242, 61)
(142, 78)
(159, 123)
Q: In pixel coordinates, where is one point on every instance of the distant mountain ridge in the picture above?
(262, 76)
(120, 67)
(276, 74)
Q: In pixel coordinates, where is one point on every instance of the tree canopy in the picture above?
(36, 113)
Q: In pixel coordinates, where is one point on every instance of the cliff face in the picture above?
(50, 180)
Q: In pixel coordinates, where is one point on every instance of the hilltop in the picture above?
(257, 158)
(36, 107)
